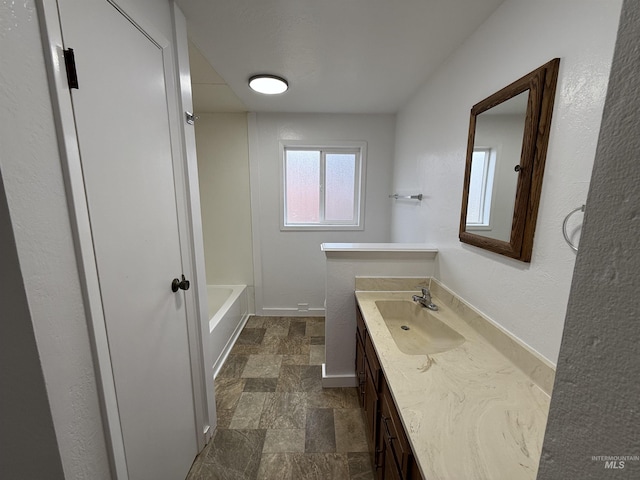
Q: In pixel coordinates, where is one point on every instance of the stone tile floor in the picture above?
(275, 421)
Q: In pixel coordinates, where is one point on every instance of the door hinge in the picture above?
(190, 118)
(70, 63)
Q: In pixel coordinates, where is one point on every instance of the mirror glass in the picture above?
(506, 153)
(497, 149)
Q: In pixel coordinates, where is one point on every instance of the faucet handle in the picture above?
(425, 290)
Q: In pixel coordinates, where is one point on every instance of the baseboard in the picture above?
(338, 381)
(291, 312)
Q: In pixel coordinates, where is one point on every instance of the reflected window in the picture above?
(483, 166)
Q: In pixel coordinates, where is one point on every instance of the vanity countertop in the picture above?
(469, 412)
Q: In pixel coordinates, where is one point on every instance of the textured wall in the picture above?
(35, 192)
(223, 169)
(292, 267)
(529, 300)
(342, 268)
(596, 398)
(32, 176)
(25, 416)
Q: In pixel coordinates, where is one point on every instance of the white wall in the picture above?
(290, 268)
(594, 407)
(32, 178)
(223, 168)
(33, 181)
(25, 415)
(343, 266)
(529, 300)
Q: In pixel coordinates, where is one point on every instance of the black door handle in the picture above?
(180, 284)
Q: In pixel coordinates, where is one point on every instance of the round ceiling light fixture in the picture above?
(268, 84)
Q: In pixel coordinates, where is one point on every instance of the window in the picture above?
(322, 187)
(480, 188)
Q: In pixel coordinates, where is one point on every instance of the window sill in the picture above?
(325, 228)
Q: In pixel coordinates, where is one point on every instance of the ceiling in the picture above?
(339, 56)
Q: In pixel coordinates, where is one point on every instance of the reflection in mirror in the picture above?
(496, 151)
(506, 152)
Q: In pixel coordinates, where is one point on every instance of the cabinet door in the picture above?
(393, 436)
(390, 469)
(361, 329)
(371, 407)
(373, 362)
(361, 366)
(414, 471)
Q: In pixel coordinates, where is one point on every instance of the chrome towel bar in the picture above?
(410, 197)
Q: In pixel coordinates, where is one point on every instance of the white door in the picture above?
(121, 114)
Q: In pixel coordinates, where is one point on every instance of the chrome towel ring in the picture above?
(564, 226)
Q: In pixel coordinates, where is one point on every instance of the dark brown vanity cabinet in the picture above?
(393, 443)
(361, 364)
(391, 453)
(368, 378)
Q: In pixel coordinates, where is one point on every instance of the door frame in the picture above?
(52, 39)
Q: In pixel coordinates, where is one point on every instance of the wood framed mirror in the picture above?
(506, 152)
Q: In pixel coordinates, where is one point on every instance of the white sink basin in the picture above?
(416, 330)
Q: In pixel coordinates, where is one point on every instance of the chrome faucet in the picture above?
(425, 299)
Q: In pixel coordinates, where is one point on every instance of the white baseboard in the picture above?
(291, 312)
(338, 381)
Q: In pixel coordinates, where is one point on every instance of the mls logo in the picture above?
(614, 464)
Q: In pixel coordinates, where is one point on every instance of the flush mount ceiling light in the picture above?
(268, 84)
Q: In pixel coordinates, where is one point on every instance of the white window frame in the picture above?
(360, 149)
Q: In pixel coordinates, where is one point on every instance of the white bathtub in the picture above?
(228, 313)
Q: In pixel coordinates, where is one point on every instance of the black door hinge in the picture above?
(70, 63)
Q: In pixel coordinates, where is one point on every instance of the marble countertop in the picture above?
(469, 412)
